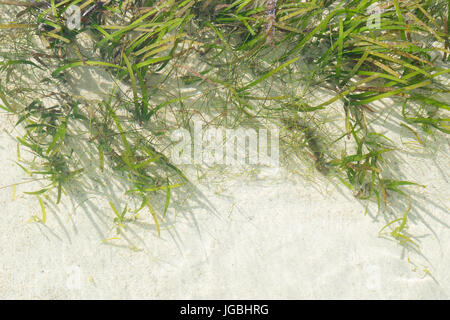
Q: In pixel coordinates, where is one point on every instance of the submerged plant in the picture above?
(251, 62)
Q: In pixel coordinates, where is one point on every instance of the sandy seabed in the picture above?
(258, 238)
(272, 235)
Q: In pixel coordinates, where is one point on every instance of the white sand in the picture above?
(265, 239)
